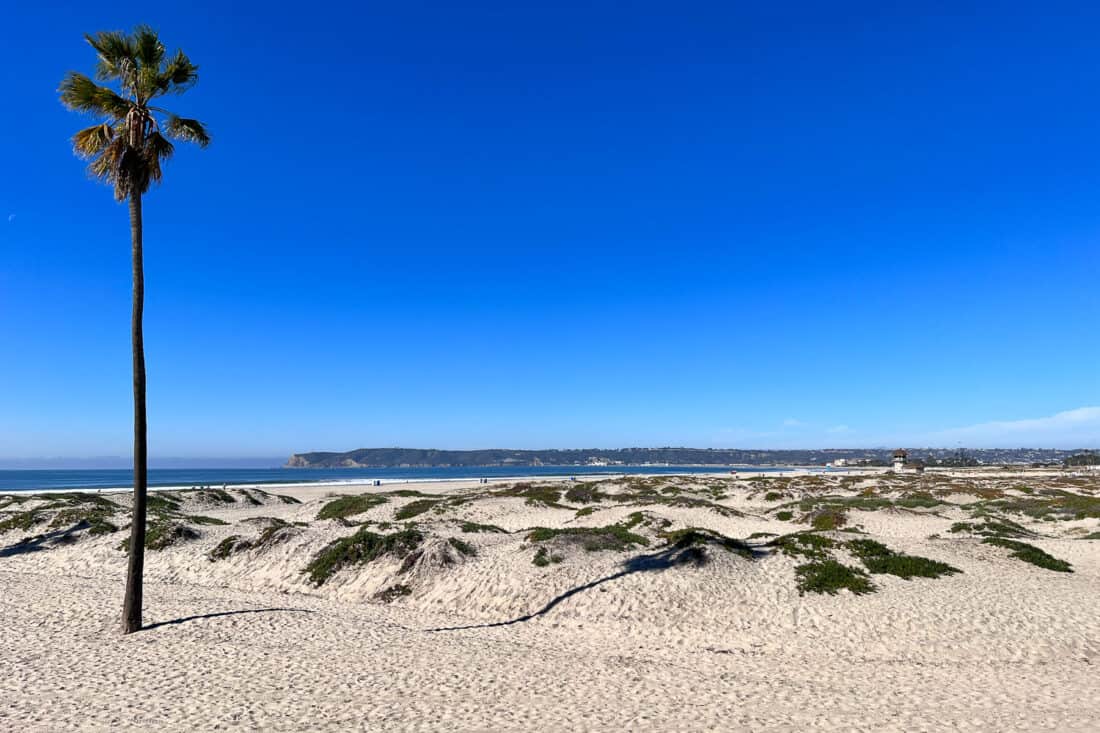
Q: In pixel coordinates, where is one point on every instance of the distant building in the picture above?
(901, 458)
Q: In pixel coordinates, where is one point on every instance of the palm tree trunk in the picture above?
(131, 606)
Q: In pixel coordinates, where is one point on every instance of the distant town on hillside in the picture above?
(420, 457)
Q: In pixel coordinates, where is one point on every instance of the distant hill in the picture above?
(425, 457)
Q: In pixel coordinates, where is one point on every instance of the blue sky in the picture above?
(591, 225)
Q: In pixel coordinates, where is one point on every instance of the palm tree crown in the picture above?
(127, 147)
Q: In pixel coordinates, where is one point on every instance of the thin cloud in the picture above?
(1069, 429)
(790, 422)
(837, 429)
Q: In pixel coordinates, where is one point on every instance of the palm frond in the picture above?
(117, 57)
(105, 165)
(147, 46)
(80, 93)
(179, 74)
(160, 146)
(157, 148)
(91, 141)
(152, 165)
(132, 173)
(187, 130)
(148, 82)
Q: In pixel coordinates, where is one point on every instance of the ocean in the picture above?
(53, 479)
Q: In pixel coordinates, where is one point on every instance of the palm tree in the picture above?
(126, 149)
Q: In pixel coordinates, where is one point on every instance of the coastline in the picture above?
(217, 477)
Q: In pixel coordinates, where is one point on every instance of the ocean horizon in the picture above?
(12, 480)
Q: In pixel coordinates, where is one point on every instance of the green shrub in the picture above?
(645, 519)
(101, 526)
(227, 547)
(695, 537)
(543, 557)
(9, 499)
(694, 503)
(917, 500)
(585, 493)
(218, 496)
(82, 498)
(200, 519)
(409, 493)
(415, 508)
(248, 496)
(829, 576)
(349, 506)
(804, 544)
(1031, 554)
(1047, 504)
(867, 548)
(362, 547)
(825, 520)
(593, 539)
(77, 514)
(880, 559)
(160, 534)
(462, 546)
(908, 566)
(784, 516)
(867, 501)
(161, 503)
(277, 531)
(473, 527)
(535, 495)
(391, 594)
(990, 527)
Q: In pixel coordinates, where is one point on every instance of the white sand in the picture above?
(729, 645)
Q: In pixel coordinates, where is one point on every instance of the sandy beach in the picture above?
(634, 603)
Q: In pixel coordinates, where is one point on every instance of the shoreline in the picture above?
(366, 482)
(778, 471)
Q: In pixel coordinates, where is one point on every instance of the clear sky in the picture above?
(594, 225)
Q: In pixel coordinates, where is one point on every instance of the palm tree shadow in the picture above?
(199, 617)
(674, 556)
(39, 543)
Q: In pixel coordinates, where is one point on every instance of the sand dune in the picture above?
(649, 628)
